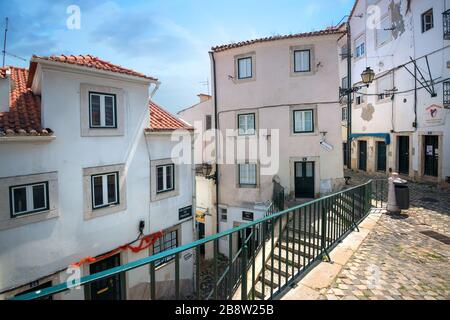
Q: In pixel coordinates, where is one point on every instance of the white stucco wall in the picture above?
(36, 250)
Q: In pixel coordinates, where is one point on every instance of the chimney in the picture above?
(204, 97)
(5, 88)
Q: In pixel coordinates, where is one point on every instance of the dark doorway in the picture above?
(252, 240)
(344, 151)
(403, 154)
(362, 147)
(381, 156)
(304, 179)
(47, 284)
(111, 288)
(431, 150)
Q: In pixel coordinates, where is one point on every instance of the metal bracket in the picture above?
(427, 84)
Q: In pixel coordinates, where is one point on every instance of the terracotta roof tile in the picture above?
(161, 120)
(328, 31)
(24, 115)
(94, 62)
(3, 72)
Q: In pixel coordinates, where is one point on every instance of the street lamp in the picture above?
(367, 77)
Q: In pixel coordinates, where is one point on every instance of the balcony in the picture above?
(275, 251)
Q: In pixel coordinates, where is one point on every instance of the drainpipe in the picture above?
(349, 97)
(216, 126)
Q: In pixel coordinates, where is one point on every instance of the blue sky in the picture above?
(167, 39)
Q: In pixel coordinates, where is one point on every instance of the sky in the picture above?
(166, 39)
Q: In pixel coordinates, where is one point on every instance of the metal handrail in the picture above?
(177, 251)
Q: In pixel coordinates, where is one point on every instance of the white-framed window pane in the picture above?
(302, 60)
(112, 188)
(28, 199)
(39, 197)
(167, 242)
(95, 110)
(20, 200)
(303, 121)
(165, 178)
(247, 174)
(109, 111)
(245, 68)
(102, 110)
(384, 85)
(246, 124)
(98, 191)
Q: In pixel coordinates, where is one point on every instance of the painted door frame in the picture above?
(421, 140)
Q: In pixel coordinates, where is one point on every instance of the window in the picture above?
(345, 83)
(344, 114)
(247, 174)
(245, 68)
(223, 214)
(360, 47)
(359, 100)
(246, 124)
(384, 87)
(208, 122)
(344, 52)
(105, 189)
(27, 199)
(302, 60)
(446, 24)
(446, 94)
(384, 32)
(303, 121)
(427, 20)
(102, 110)
(168, 241)
(165, 178)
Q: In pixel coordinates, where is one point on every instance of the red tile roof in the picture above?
(24, 115)
(161, 120)
(92, 62)
(3, 72)
(328, 31)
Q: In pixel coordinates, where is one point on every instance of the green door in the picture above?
(381, 156)
(111, 288)
(431, 156)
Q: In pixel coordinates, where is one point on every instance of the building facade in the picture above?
(80, 185)
(400, 122)
(271, 93)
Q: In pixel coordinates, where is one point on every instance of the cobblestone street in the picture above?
(396, 260)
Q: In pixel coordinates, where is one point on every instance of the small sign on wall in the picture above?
(246, 215)
(185, 212)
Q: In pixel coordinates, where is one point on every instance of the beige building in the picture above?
(281, 93)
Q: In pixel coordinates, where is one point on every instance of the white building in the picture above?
(398, 122)
(98, 179)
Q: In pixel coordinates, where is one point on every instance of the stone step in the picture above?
(288, 257)
(278, 268)
(307, 235)
(297, 249)
(293, 237)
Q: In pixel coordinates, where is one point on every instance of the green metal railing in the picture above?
(265, 256)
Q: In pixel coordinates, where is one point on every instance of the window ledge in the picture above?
(32, 139)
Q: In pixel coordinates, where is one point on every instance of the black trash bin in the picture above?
(402, 194)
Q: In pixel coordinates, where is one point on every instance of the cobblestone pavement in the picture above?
(396, 261)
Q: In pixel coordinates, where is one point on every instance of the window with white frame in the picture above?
(223, 214)
(247, 174)
(28, 199)
(244, 68)
(427, 20)
(344, 83)
(208, 122)
(359, 98)
(446, 93)
(302, 60)
(384, 31)
(102, 110)
(384, 87)
(246, 124)
(303, 121)
(168, 241)
(105, 190)
(344, 52)
(165, 178)
(344, 114)
(360, 47)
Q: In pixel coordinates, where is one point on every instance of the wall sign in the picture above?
(434, 115)
(246, 215)
(185, 212)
